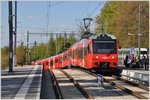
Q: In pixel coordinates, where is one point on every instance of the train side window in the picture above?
(89, 50)
(46, 63)
(56, 60)
(85, 51)
(82, 52)
(79, 53)
(73, 53)
(64, 57)
(51, 63)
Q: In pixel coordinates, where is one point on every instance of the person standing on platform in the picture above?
(126, 60)
(147, 63)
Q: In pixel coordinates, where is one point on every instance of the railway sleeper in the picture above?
(120, 87)
(88, 96)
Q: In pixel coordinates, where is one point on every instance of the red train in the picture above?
(98, 52)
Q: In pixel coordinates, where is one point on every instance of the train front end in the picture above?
(105, 53)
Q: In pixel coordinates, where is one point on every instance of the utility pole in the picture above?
(15, 34)
(65, 39)
(34, 50)
(139, 28)
(10, 37)
(27, 50)
(106, 25)
(56, 43)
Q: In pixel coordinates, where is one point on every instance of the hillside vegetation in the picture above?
(122, 17)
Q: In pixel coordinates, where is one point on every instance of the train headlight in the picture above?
(96, 57)
(113, 57)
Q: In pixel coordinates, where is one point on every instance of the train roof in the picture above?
(82, 41)
(96, 36)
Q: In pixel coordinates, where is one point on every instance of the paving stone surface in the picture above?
(12, 82)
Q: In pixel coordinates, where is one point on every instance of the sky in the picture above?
(35, 16)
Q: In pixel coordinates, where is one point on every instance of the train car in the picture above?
(63, 60)
(65, 63)
(98, 52)
(48, 63)
(74, 57)
(38, 62)
(80, 54)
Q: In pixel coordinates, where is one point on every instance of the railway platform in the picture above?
(135, 74)
(24, 83)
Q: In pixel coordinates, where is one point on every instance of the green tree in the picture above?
(21, 54)
(41, 51)
(5, 57)
(60, 43)
(51, 46)
(122, 18)
(72, 39)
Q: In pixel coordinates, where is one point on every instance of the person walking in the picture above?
(100, 80)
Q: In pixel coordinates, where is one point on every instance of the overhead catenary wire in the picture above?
(100, 4)
(47, 23)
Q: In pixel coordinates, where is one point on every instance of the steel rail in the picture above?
(55, 85)
(88, 96)
(132, 83)
(118, 86)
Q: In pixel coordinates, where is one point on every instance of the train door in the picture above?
(53, 63)
(83, 62)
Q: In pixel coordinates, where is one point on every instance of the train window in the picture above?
(104, 47)
(70, 53)
(51, 63)
(76, 52)
(79, 53)
(82, 52)
(89, 50)
(56, 60)
(85, 51)
(46, 63)
(64, 57)
(73, 54)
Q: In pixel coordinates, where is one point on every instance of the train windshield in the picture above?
(104, 47)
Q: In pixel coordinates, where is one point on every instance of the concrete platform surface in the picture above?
(141, 76)
(24, 83)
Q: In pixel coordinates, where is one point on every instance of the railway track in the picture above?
(69, 87)
(55, 85)
(126, 89)
(87, 95)
(89, 83)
